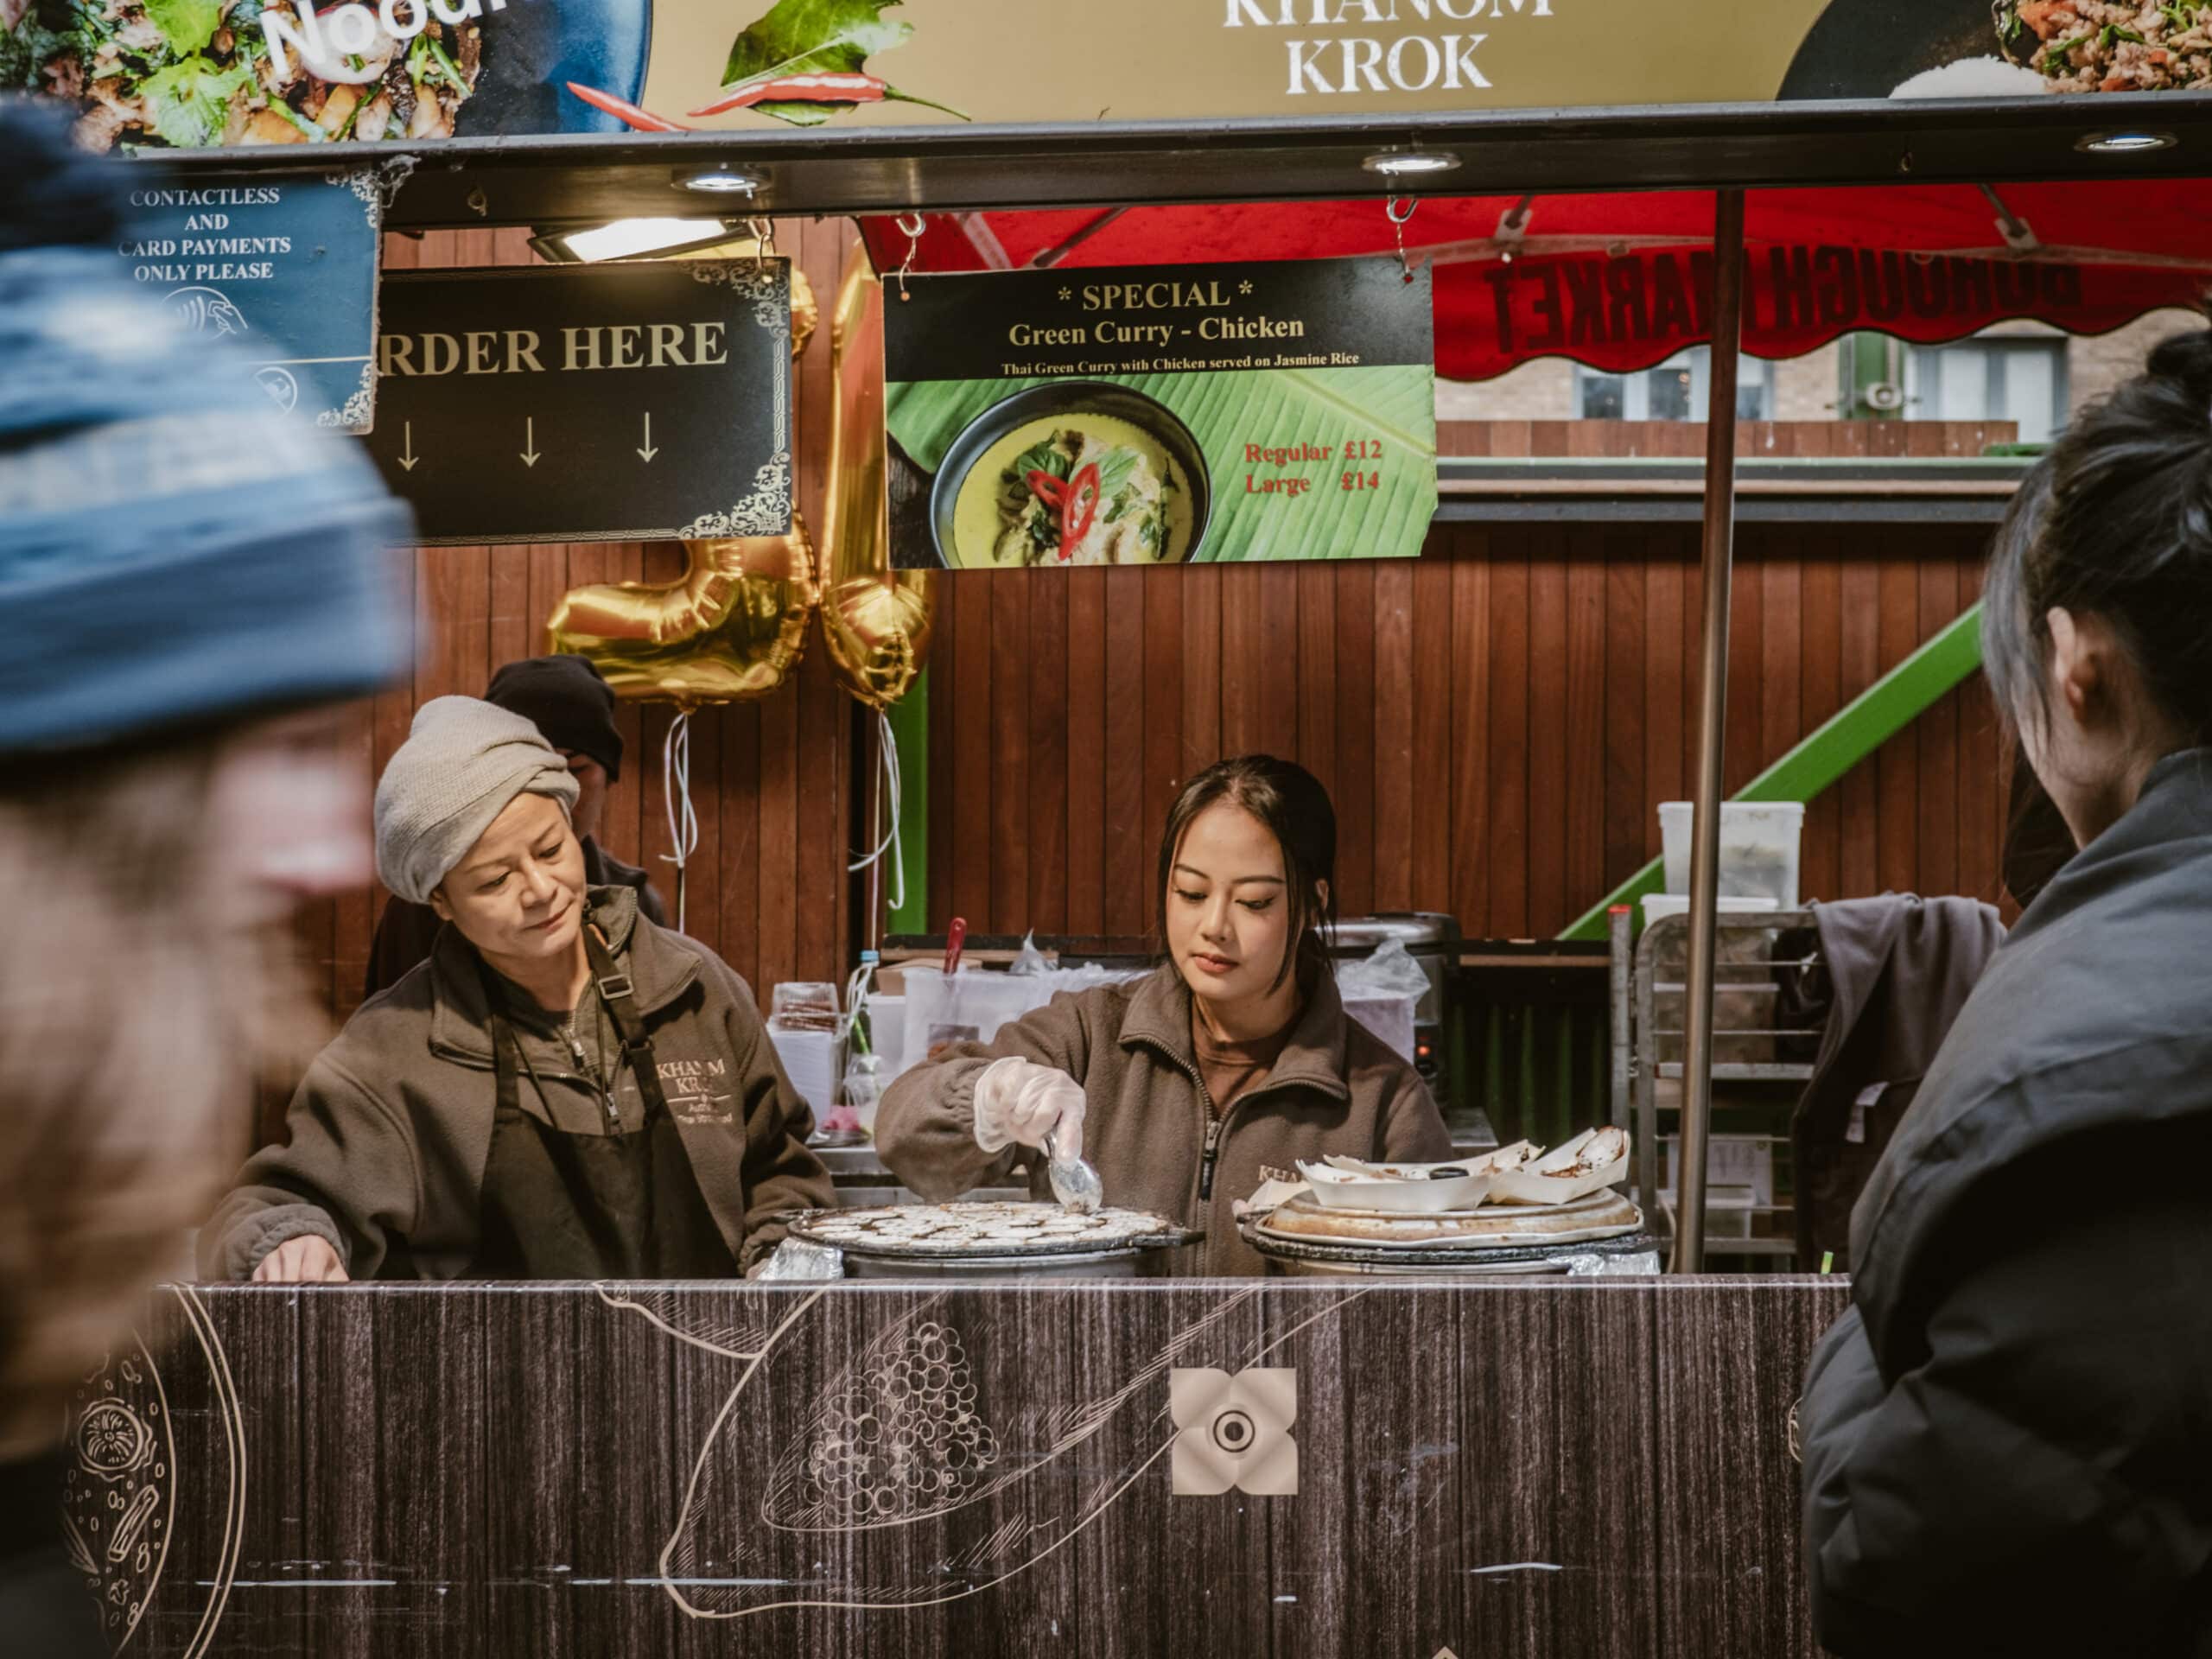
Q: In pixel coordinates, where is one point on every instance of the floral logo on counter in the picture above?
(1235, 1431)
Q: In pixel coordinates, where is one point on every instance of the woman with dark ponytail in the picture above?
(1237, 1054)
(2008, 1437)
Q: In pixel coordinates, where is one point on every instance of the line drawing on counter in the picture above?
(124, 1467)
(743, 1344)
(119, 1493)
(902, 1437)
(232, 1420)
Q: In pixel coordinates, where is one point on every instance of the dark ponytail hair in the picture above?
(2116, 522)
(1290, 801)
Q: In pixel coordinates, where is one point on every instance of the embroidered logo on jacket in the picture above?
(697, 1090)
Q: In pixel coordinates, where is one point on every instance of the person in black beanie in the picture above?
(573, 707)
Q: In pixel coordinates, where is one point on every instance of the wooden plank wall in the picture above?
(769, 780)
(1495, 721)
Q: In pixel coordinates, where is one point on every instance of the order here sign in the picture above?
(602, 402)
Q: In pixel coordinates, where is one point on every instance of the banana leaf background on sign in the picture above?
(1273, 408)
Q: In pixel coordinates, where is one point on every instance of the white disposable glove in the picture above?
(1019, 1099)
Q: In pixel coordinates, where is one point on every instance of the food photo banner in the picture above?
(194, 73)
(588, 403)
(1160, 414)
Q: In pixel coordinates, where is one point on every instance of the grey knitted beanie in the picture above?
(463, 763)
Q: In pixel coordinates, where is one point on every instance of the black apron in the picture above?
(622, 1205)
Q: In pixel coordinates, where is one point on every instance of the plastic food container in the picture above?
(1759, 844)
(800, 1005)
(968, 1006)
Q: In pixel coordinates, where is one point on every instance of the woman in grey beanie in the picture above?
(573, 707)
(563, 1091)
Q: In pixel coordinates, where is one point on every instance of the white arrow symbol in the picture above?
(529, 442)
(408, 457)
(647, 454)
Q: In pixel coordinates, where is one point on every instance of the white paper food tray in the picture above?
(1399, 1189)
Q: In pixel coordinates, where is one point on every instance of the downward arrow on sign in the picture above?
(407, 455)
(529, 442)
(647, 454)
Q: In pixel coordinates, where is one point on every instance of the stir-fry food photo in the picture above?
(191, 74)
(2089, 45)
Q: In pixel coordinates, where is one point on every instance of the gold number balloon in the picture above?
(732, 627)
(875, 619)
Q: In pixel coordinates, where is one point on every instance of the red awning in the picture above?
(1622, 282)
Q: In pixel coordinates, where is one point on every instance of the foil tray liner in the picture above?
(1120, 1231)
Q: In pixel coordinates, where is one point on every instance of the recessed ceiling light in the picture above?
(628, 238)
(719, 180)
(2123, 144)
(1409, 164)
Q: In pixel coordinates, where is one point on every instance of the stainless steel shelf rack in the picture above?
(1647, 1043)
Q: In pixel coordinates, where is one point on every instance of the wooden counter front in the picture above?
(1581, 1469)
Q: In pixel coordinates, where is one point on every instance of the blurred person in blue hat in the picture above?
(187, 579)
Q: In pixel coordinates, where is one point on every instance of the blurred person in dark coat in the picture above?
(187, 579)
(573, 707)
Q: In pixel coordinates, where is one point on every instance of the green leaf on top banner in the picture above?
(1229, 410)
(818, 37)
(189, 102)
(187, 25)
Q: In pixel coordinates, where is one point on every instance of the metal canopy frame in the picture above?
(551, 181)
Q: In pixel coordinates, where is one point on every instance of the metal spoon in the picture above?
(1075, 1183)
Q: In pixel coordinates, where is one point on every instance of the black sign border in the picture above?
(773, 490)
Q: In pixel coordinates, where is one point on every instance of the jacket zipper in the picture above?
(583, 1067)
(1217, 1124)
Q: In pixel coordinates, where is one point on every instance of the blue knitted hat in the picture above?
(172, 549)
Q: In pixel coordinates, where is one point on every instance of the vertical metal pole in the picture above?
(1718, 557)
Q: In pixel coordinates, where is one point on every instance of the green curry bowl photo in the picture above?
(1080, 473)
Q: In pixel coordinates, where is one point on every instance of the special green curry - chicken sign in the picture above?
(1050, 420)
(197, 73)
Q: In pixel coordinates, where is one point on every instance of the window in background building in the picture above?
(1676, 390)
(2002, 377)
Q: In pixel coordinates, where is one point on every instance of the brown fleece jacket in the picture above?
(1335, 1088)
(387, 1138)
